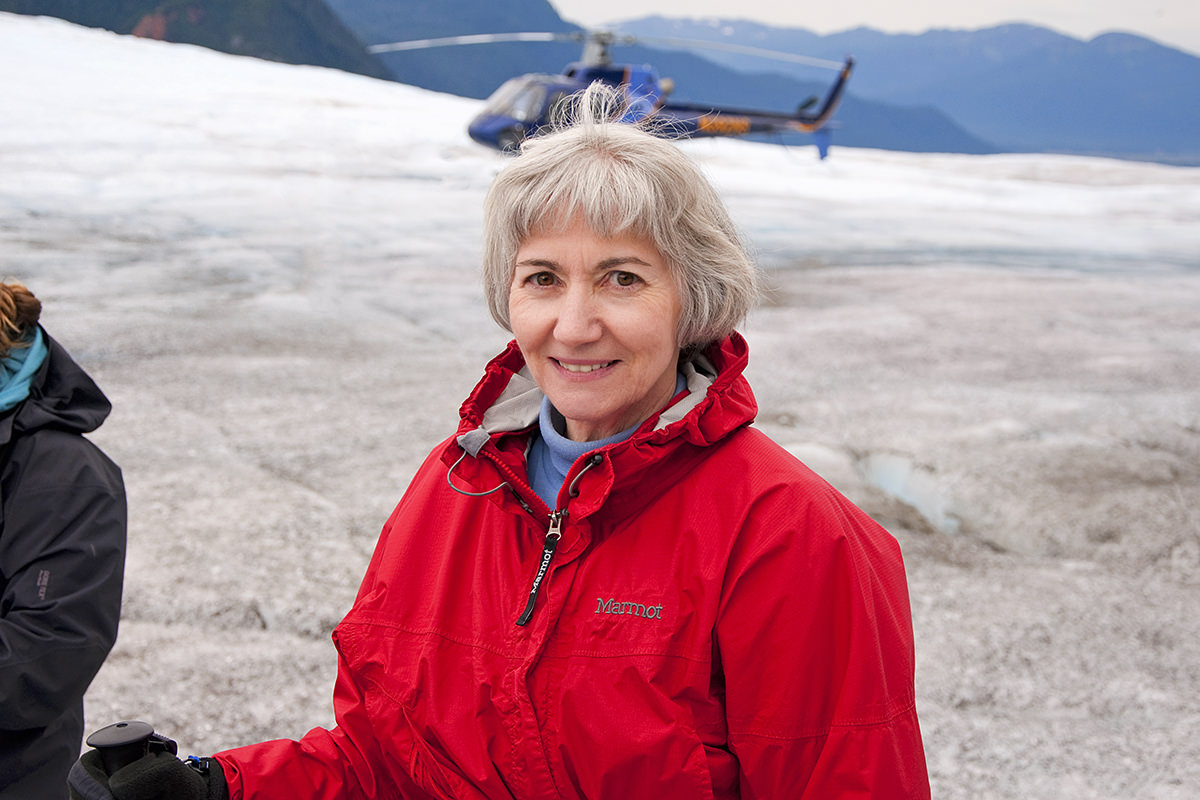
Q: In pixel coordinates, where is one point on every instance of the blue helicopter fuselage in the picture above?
(524, 105)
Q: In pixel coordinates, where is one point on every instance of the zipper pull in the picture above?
(548, 548)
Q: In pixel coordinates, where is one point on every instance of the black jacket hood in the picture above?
(62, 397)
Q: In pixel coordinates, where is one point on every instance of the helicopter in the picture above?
(524, 105)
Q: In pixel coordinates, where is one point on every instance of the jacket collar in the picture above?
(506, 400)
(503, 408)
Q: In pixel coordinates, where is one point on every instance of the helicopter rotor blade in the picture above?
(477, 38)
(776, 55)
(602, 39)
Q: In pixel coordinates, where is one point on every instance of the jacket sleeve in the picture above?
(62, 557)
(814, 637)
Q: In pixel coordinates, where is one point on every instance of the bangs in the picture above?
(611, 195)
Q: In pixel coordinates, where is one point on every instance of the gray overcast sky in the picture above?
(1173, 22)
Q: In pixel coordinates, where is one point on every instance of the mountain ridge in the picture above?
(1019, 86)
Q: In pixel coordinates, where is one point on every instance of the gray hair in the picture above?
(622, 180)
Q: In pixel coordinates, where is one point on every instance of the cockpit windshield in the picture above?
(520, 98)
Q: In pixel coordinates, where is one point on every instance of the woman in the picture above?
(62, 551)
(607, 584)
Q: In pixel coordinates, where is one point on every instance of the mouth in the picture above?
(582, 369)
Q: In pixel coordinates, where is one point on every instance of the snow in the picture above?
(272, 271)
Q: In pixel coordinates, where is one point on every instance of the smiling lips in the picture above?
(583, 368)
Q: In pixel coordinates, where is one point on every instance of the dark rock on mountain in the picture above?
(291, 31)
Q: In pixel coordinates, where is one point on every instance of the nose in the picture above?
(578, 319)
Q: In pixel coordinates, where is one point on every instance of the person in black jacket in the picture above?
(62, 551)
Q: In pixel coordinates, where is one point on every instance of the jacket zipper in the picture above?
(548, 548)
(553, 535)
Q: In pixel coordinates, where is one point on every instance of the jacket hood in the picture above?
(62, 397)
(506, 401)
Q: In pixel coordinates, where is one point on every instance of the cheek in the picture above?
(670, 313)
(666, 323)
(509, 304)
(515, 307)
(652, 337)
(522, 320)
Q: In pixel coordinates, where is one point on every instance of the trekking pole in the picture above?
(122, 743)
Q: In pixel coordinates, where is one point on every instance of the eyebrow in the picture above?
(608, 263)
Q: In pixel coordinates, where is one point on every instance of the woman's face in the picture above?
(596, 320)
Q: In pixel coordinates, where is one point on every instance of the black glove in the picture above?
(154, 776)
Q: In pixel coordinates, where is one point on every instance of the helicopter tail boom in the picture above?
(811, 122)
(714, 121)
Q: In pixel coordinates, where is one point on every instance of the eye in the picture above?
(541, 279)
(623, 278)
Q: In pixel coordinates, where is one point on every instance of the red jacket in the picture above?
(714, 621)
